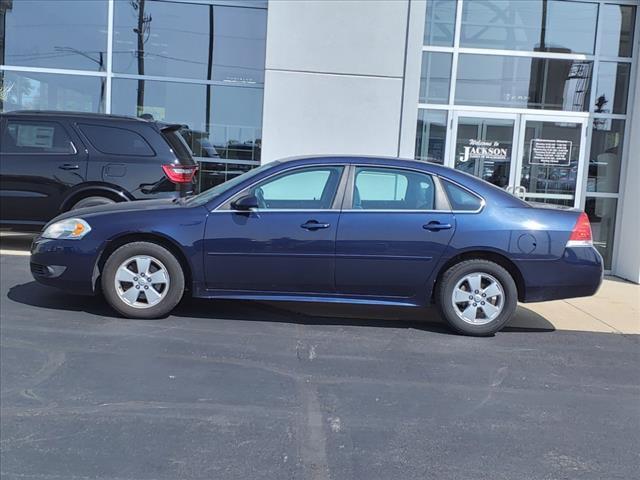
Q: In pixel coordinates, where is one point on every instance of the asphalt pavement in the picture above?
(239, 390)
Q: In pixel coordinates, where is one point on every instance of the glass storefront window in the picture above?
(431, 135)
(530, 25)
(484, 148)
(439, 28)
(602, 215)
(616, 30)
(224, 121)
(208, 42)
(436, 77)
(51, 91)
(61, 34)
(606, 155)
(612, 87)
(522, 82)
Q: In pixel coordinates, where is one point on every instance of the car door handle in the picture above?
(314, 225)
(435, 226)
(68, 166)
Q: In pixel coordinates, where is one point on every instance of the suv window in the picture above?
(461, 199)
(309, 188)
(117, 141)
(29, 137)
(392, 189)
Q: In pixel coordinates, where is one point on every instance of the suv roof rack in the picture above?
(101, 116)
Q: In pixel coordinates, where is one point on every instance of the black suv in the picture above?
(52, 162)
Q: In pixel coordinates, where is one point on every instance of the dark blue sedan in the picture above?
(334, 229)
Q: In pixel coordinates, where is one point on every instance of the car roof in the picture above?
(75, 115)
(365, 160)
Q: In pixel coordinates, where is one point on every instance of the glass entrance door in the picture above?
(550, 159)
(484, 146)
(535, 157)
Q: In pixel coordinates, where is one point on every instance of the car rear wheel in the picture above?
(142, 280)
(92, 202)
(477, 297)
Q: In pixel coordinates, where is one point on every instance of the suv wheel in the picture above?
(142, 280)
(92, 202)
(477, 297)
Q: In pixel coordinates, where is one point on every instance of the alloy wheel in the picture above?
(142, 281)
(478, 298)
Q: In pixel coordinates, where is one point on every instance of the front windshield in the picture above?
(207, 195)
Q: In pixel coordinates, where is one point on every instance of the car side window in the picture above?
(392, 189)
(308, 188)
(32, 137)
(461, 199)
(117, 141)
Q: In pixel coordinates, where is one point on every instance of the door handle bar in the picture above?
(436, 226)
(314, 225)
(68, 166)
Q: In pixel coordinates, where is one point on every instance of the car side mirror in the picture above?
(246, 203)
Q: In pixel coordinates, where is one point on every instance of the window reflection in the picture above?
(602, 216)
(605, 155)
(440, 23)
(551, 178)
(230, 121)
(61, 34)
(531, 25)
(617, 27)
(431, 135)
(50, 91)
(223, 122)
(435, 78)
(494, 80)
(208, 42)
(612, 87)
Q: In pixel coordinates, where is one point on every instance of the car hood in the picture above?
(135, 206)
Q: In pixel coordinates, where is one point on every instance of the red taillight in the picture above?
(581, 234)
(179, 174)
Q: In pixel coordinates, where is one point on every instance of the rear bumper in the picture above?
(578, 273)
(64, 264)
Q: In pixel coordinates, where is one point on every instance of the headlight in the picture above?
(71, 228)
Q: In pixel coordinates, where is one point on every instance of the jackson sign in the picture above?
(481, 149)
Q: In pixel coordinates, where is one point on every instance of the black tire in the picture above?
(92, 202)
(175, 288)
(454, 275)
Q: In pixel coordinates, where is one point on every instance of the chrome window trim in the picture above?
(483, 202)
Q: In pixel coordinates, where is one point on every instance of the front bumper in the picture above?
(578, 273)
(65, 264)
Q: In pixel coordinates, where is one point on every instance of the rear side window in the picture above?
(117, 141)
(461, 199)
(29, 137)
(392, 189)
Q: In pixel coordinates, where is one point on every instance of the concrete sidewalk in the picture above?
(614, 309)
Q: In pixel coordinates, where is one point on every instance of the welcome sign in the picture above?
(485, 150)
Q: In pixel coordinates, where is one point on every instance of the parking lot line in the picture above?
(23, 253)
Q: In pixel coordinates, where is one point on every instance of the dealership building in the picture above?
(535, 96)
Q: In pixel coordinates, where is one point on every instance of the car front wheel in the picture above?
(477, 297)
(142, 280)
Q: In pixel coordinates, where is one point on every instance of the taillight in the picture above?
(581, 234)
(179, 173)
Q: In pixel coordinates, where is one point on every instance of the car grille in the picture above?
(38, 269)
